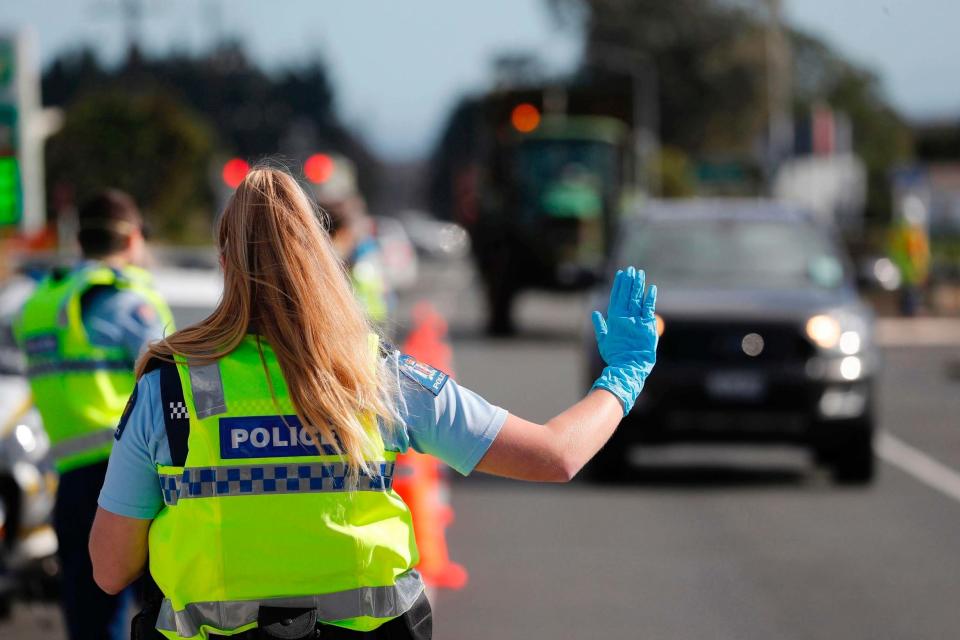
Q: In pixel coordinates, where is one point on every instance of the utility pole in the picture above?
(779, 90)
(645, 87)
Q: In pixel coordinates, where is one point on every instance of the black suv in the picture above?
(764, 338)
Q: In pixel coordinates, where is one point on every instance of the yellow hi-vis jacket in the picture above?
(256, 514)
(80, 388)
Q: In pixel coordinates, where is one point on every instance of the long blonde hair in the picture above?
(283, 280)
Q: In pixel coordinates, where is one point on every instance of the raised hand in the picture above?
(627, 337)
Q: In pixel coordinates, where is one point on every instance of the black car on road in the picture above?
(763, 336)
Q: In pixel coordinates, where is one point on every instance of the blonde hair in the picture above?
(283, 280)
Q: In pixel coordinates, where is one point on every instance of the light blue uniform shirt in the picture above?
(119, 317)
(456, 425)
(115, 317)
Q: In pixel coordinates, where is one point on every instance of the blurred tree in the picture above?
(939, 141)
(717, 62)
(709, 56)
(149, 145)
(290, 112)
(880, 136)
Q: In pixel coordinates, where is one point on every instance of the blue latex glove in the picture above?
(627, 338)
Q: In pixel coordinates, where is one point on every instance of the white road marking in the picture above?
(932, 473)
(901, 332)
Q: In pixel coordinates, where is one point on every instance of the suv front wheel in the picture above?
(847, 450)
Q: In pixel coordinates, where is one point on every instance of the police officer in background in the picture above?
(352, 238)
(253, 468)
(352, 232)
(82, 331)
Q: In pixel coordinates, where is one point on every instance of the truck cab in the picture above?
(548, 208)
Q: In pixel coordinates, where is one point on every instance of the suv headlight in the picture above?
(849, 342)
(841, 331)
(824, 330)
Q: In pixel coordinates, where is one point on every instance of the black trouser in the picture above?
(89, 612)
(415, 624)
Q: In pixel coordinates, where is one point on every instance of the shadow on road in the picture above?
(714, 477)
(472, 335)
(697, 477)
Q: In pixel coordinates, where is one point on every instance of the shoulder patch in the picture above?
(146, 313)
(127, 410)
(426, 376)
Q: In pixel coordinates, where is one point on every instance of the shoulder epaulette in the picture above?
(176, 417)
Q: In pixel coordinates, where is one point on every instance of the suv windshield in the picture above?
(727, 253)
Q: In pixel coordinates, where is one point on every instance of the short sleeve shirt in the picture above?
(117, 317)
(435, 416)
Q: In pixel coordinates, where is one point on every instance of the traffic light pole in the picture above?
(24, 126)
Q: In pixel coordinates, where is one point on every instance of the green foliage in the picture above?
(880, 136)
(147, 144)
(709, 57)
(288, 113)
(719, 62)
(939, 142)
(250, 109)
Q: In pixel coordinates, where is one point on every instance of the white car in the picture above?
(397, 254)
(435, 238)
(28, 483)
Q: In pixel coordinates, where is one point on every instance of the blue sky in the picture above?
(399, 66)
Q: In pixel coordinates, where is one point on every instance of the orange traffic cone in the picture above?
(420, 479)
(427, 341)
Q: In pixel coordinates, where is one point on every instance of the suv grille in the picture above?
(685, 341)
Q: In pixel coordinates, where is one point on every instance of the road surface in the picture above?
(703, 543)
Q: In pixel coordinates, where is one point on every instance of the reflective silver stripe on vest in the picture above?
(70, 366)
(207, 388)
(375, 602)
(81, 444)
(245, 480)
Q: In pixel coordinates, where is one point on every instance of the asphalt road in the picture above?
(703, 543)
(707, 543)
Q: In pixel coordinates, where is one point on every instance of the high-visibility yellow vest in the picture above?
(255, 514)
(80, 388)
(370, 289)
(910, 251)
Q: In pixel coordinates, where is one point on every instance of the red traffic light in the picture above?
(318, 168)
(234, 171)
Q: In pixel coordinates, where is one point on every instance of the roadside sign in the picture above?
(7, 61)
(21, 169)
(11, 204)
(11, 200)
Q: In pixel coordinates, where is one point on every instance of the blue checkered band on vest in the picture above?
(210, 482)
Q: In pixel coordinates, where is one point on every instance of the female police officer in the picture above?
(253, 466)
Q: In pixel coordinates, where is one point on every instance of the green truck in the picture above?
(538, 187)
